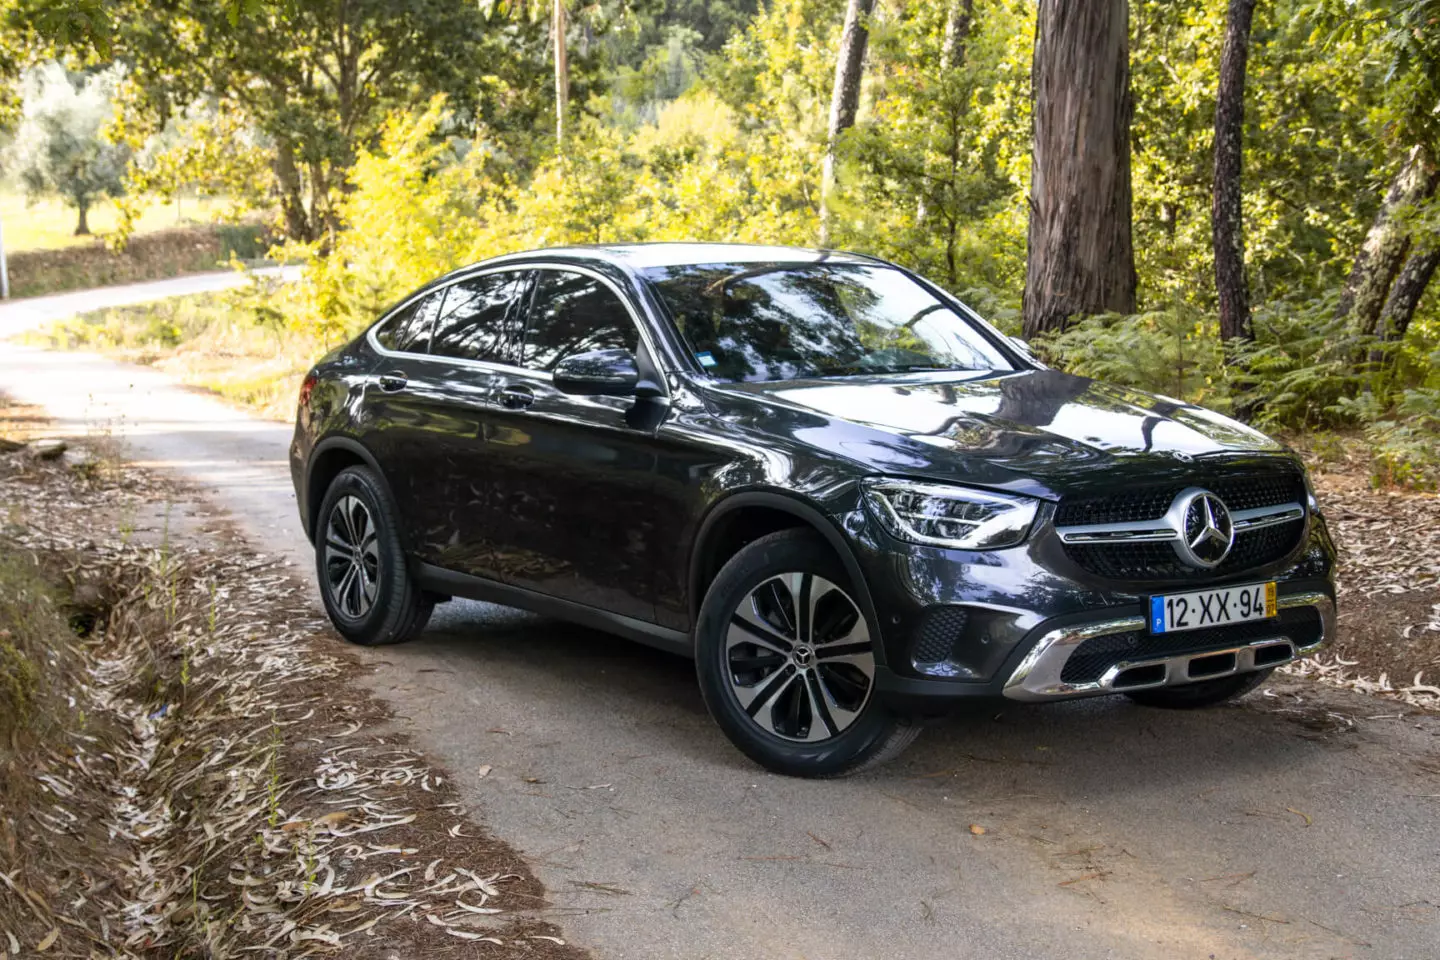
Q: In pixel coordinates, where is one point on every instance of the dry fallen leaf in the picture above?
(977, 830)
(483, 771)
(49, 941)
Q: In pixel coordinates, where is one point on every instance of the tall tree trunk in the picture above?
(1081, 259)
(292, 193)
(844, 97)
(82, 225)
(1405, 295)
(1225, 214)
(958, 20)
(562, 74)
(1386, 245)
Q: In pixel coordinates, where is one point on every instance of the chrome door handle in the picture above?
(517, 397)
(392, 382)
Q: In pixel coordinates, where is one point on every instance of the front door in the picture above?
(574, 475)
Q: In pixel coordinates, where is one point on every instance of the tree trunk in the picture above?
(1081, 259)
(958, 21)
(1225, 214)
(1405, 295)
(292, 193)
(82, 226)
(562, 74)
(844, 97)
(1386, 245)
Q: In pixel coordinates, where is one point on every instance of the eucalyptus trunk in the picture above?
(1386, 245)
(1406, 292)
(844, 97)
(1081, 259)
(1226, 221)
(562, 73)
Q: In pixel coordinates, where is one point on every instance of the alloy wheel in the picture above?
(799, 657)
(352, 557)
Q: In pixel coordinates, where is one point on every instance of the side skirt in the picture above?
(441, 580)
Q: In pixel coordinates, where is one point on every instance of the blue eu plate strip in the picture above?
(1157, 614)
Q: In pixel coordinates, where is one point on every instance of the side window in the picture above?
(573, 313)
(472, 325)
(408, 329)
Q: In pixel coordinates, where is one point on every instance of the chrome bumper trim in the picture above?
(1038, 676)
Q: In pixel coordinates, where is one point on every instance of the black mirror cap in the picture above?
(599, 373)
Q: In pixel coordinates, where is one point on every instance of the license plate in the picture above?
(1211, 608)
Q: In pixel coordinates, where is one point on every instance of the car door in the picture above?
(434, 422)
(573, 475)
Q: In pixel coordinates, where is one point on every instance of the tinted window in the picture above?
(574, 313)
(408, 329)
(472, 324)
(790, 321)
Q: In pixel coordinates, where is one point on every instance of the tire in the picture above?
(812, 711)
(371, 601)
(1206, 693)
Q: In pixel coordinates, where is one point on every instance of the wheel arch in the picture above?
(741, 518)
(330, 456)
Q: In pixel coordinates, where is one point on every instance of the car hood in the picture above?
(1035, 431)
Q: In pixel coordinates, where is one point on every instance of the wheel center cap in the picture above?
(803, 655)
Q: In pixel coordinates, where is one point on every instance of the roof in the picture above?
(641, 256)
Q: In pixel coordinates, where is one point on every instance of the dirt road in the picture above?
(1305, 823)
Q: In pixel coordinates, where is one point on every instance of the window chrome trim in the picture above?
(1038, 677)
(492, 366)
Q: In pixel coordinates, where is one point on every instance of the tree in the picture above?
(1225, 213)
(844, 96)
(59, 147)
(1080, 255)
(315, 77)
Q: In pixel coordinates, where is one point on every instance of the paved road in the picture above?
(1301, 825)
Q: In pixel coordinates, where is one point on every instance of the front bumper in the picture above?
(1041, 674)
(958, 627)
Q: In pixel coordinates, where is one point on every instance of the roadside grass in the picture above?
(48, 223)
(226, 343)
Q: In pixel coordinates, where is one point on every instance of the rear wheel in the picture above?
(1206, 693)
(360, 564)
(786, 661)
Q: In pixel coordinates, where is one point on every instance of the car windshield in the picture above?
(789, 321)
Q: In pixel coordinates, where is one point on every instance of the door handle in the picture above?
(393, 381)
(517, 396)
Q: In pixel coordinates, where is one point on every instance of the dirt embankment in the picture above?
(186, 769)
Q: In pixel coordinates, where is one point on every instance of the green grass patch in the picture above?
(47, 223)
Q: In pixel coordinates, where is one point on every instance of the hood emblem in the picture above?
(1208, 531)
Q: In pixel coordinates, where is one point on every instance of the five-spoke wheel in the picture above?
(361, 565)
(786, 659)
(352, 556)
(801, 662)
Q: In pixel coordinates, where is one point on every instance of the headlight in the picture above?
(946, 516)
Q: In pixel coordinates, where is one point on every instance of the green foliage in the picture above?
(1402, 438)
(60, 146)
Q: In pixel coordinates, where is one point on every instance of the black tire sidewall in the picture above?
(383, 620)
(788, 551)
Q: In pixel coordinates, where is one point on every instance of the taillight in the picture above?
(306, 387)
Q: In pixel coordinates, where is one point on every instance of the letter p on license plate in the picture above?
(1211, 608)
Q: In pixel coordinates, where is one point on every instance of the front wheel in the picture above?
(1205, 693)
(786, 661)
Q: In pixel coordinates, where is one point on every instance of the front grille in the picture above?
(1158, 561)
(936, 637)
(1093, 657)
(1150, 503)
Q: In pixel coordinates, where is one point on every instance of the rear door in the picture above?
(573, 476)
(431, 421)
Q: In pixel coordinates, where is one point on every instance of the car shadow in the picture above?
(1097, 747)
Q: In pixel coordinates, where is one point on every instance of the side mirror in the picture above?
(602, 373)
